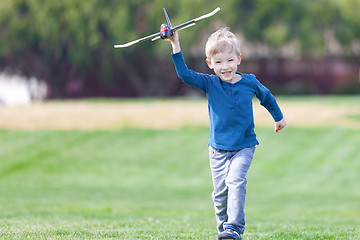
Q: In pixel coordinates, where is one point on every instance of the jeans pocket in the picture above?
(212, 152)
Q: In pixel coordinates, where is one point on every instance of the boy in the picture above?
(232, 138)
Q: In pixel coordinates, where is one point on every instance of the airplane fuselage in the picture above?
(165, 31)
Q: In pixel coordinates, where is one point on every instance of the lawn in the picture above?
(136, 183)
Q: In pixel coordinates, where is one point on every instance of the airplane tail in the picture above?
(167, 18)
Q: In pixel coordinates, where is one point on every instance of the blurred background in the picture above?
(64, 49)
(105, 143)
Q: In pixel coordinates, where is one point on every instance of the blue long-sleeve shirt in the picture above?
(229, 105)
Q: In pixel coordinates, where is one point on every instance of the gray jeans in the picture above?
(229, 169)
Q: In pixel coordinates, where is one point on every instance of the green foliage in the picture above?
(64, 41)
(347, 20)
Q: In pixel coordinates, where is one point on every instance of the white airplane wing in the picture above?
(156, 36)
(137, 41)
(191, 22)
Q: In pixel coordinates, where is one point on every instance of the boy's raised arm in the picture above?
(175, 42)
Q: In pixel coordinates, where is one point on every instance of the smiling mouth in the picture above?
(226, 74)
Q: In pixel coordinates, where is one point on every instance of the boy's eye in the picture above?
(231, 60)
(218, 62)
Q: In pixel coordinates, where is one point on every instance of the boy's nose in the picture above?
(225, 65)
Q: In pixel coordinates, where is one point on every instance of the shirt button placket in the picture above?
(235, 93)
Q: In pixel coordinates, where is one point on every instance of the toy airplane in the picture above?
(167, 31)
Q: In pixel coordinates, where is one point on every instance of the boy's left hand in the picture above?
(280, 125)
(175, 42)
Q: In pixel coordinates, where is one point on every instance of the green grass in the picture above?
(355, 117)
(330, 100)
(156, 184)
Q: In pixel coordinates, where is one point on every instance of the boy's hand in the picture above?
(175, 42)
(280, 125)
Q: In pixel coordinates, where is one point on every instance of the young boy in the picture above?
(232, 138)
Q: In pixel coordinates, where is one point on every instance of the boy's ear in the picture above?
(239, 59)
(209, 64)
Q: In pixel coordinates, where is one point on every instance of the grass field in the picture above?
(137, 183)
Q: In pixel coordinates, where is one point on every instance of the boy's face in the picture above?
(225, 65)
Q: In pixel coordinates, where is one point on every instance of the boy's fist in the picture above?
(175, 42)
(280, 125)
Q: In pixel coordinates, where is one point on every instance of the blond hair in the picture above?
(223, 40)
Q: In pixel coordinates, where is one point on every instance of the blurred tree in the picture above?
(278, 22)
(346, 21)
(70, 43)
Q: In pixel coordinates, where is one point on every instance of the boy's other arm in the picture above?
(269, 102)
